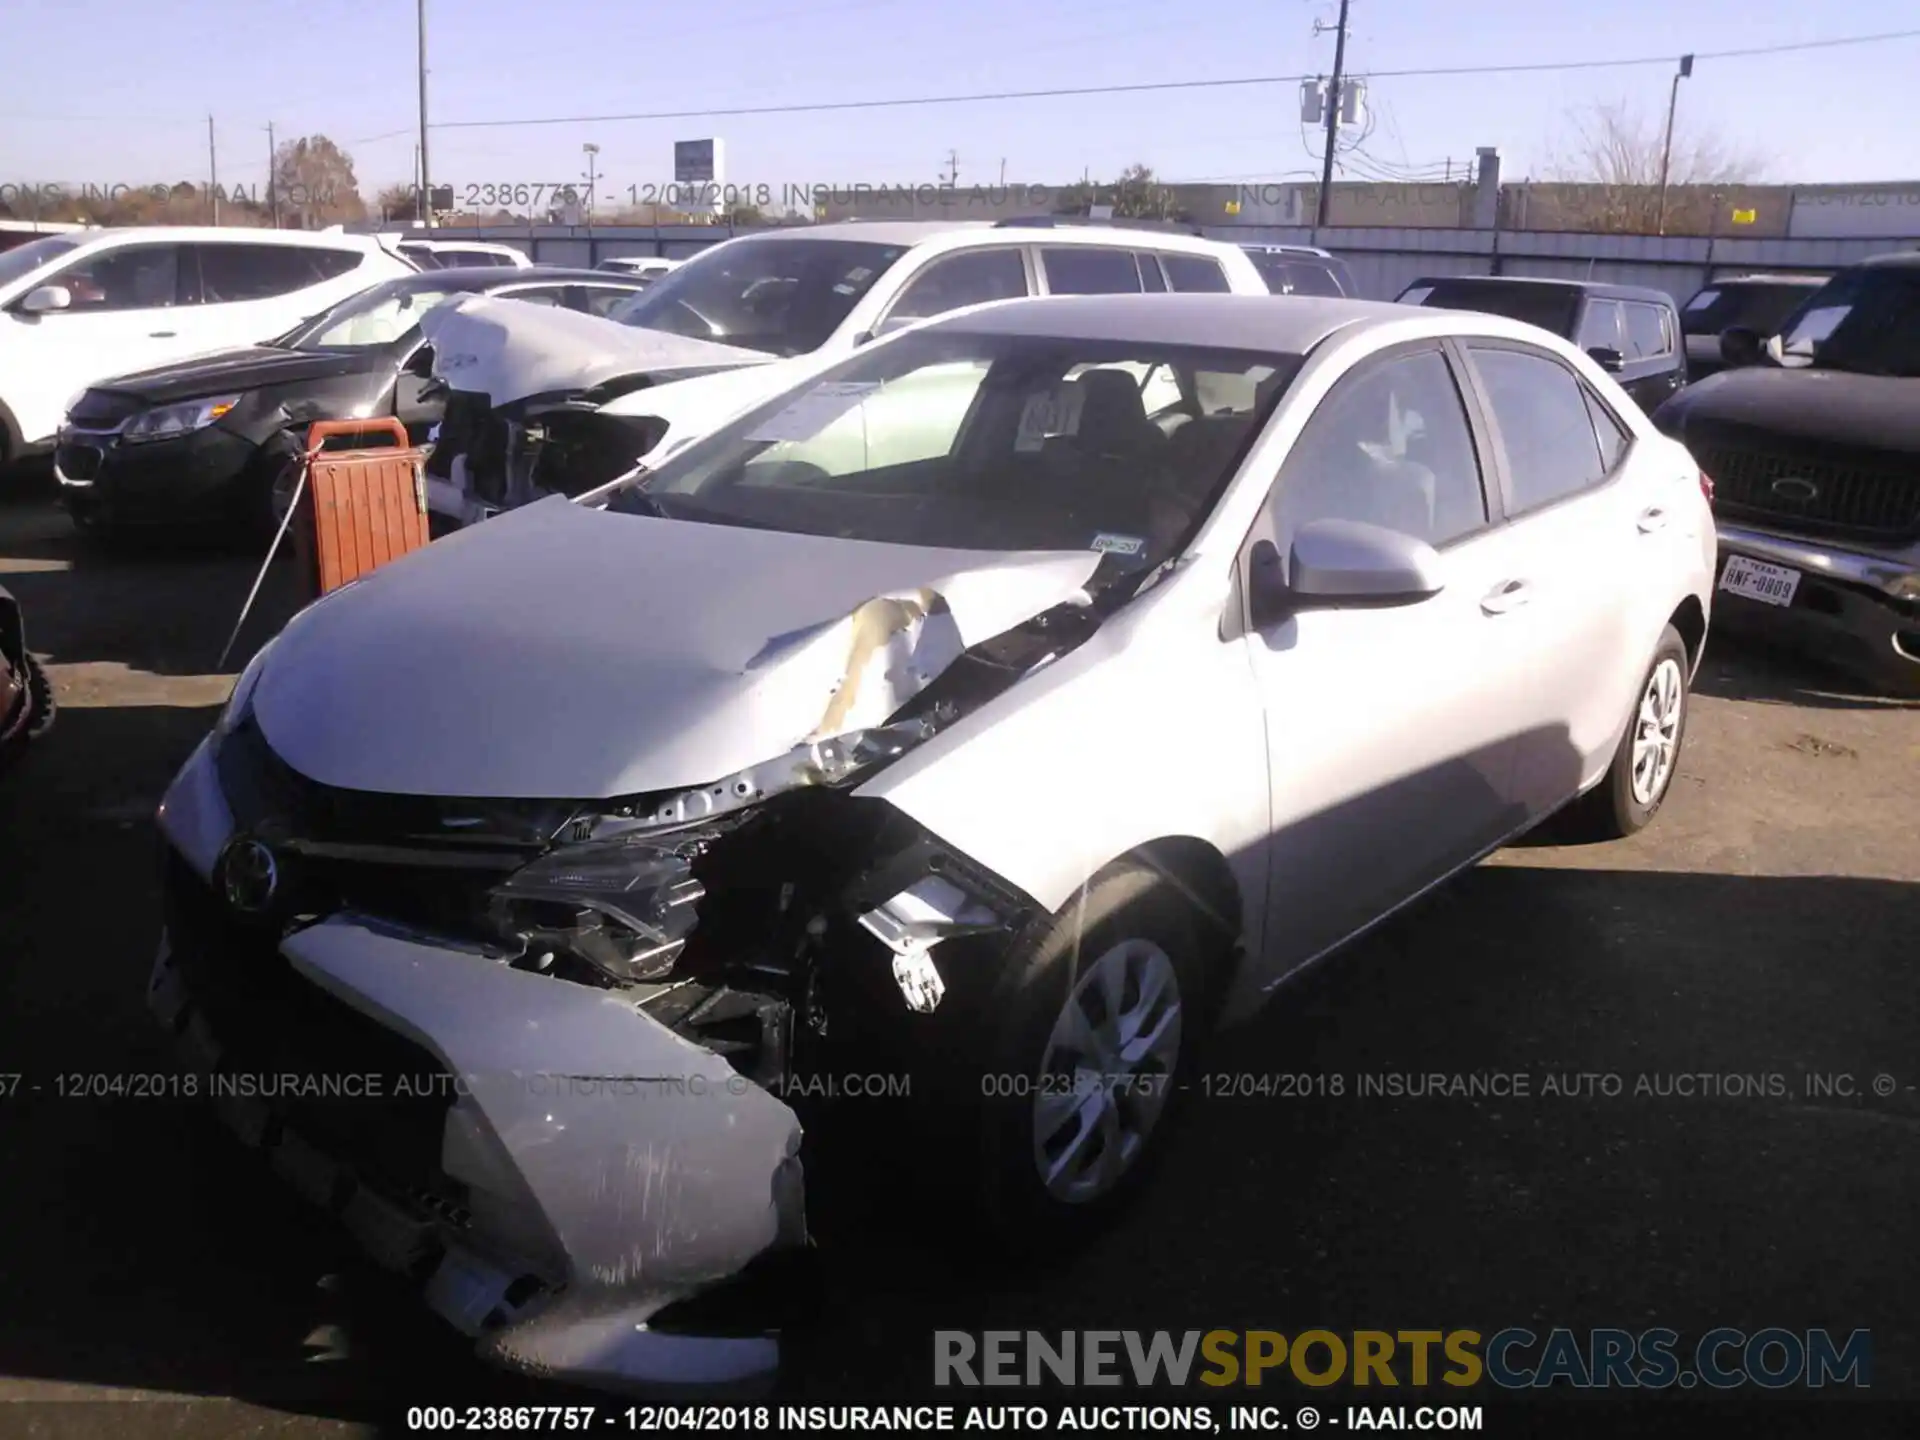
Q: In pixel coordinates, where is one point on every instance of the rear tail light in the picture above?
(1706, 486)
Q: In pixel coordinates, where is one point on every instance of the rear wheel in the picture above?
(1636, 784)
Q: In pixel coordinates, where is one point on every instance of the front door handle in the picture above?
(1653, 518)
(1509, 595)
(162, 334)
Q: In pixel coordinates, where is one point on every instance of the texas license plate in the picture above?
(1757, 580)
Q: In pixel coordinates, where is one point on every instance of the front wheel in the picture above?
(1636, 784)
(1098, 1024)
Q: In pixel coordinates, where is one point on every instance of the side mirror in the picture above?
(1608, 358)
(42, 298)
(1739, 345)
(1338, 562)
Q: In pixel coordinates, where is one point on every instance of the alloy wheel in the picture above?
(1656, 734)
(1106, 1071)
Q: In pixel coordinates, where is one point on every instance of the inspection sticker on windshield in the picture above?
(1117, 544)
(1051, 412)
(812, 412)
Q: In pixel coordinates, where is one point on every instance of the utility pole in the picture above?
(1003, 172)
(426, 178)
(1666, 148)
(593, 155)
(273, 192)
(213, 173)
(953, 167)
(1333, 118)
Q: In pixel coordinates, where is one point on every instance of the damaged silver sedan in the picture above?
(1004, 706)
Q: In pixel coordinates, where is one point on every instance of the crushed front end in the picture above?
(581, 1035)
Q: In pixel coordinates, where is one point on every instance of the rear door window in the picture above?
(1090, 270)
(1544, 425)
(1306, 278)
(1646, 331)
(970, 277)
(230, 273)
(1195, 273)
(1601, 328)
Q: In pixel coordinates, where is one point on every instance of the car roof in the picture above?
(1018, 232)
(1279, 324)
(1548, 282)
(1806, 281)
(232, 234)
(482, 277)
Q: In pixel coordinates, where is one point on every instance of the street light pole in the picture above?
(426, 182)
(1666, 147)
(592, 152)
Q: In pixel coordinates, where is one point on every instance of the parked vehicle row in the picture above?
(80, 307)
(216, 437)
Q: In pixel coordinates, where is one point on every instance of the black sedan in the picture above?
(211, 438)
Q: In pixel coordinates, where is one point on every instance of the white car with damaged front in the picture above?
(1207, 632)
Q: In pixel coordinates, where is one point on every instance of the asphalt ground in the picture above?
(1764, 934)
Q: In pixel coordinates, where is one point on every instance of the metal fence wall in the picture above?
(1384, 261)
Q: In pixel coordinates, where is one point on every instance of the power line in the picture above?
(1216, 83)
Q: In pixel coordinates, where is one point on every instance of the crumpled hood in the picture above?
(1827, 408)
(509, 350)
(562, 652)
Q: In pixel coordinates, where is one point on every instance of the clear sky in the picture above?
(135, 110)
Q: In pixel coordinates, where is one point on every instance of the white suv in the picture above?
(80, 307)
(807, 296)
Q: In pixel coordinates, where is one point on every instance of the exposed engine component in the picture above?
(916, 920)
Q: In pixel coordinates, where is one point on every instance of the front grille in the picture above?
(1845, 499)
(78, 462)
(276, 1026)
(393, 856)
(103, 409)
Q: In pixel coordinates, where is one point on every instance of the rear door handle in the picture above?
(162, 334)
(1653, 518)
(1510, 595)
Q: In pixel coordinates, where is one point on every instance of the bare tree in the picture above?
(1608, 174)
(314, 178)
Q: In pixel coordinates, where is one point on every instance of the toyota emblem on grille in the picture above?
(1794, 488)
(250, 876)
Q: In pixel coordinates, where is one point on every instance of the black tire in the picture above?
(258, 520)
(1612, 810)
(1129, 901)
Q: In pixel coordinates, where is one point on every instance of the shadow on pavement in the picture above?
(1741, 666)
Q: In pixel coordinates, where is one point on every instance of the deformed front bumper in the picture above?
(1859, 611)
(557, 1167)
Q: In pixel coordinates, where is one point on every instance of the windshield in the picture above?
(1757, 305)
(778, 295)
(1866, 320)
(1548, 306)
(23, 260)
(986, 442)
(379, 316)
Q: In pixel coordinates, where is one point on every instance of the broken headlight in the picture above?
(624, 905)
